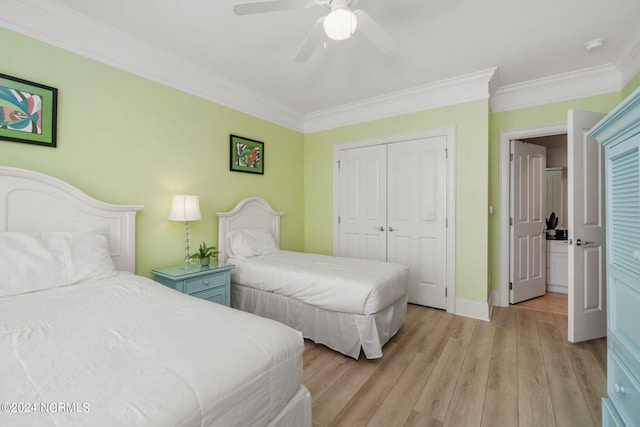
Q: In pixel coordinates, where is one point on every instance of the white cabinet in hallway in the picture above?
(557, 266)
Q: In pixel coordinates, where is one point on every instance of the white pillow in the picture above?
(90, 256)
(32, 261)
(250, 243)
(43, 260)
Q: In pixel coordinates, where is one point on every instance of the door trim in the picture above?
(503, 207)
(449, 133)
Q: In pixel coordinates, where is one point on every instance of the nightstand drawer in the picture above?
(202, 283)
(217, 295)
(623, 390)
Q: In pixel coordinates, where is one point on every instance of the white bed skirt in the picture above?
(343, 332)
(297, 412)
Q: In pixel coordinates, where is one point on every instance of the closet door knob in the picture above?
(391, 229)
(381, 228)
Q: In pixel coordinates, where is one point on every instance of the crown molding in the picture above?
(63, 27)
(561, 87)
(458, 90)
(629, 61)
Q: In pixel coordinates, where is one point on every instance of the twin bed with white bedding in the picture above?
(84, 341)
(347, 304)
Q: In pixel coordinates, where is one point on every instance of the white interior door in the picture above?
(417, 215)
(363, 203)
(528, 210)
(587, 315)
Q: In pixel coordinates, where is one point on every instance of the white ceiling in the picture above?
(436, 40)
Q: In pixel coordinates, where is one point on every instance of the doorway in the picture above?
(586, 213)
(502, 299)
(547, 236)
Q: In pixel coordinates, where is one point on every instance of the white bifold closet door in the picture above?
(393, 207)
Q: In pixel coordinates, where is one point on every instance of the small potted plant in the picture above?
(552, 223)
(205, 253)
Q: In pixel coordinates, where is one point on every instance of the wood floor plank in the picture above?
(527, 329)
(590, 374)
(416, 419)
(503, 371)
(569, 406)
(468, 397)
(315, 358)
(553, 351)
(545, 317)
(506, 318)
(467, 401)
(500, 409)
(398, 405)
(436, 395)
(535, 408)
(326, 407)
(328, 375)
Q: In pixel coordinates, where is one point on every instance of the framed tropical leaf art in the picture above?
(247, 155)
(28, 111)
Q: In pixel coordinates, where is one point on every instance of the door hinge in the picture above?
(338, 164)
(446, 293)
(446, 153)
(511, 157)
(510, 286)
(510, 222)
(446, 223)
(338, 219)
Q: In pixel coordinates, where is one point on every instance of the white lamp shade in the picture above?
(340, 24)
(185, 207)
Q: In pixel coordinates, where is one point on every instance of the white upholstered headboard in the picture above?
(252, 213)
(32, 201)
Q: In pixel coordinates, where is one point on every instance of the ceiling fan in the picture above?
(339, 24)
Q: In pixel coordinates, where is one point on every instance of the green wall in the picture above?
(127, 140)
(472, 192)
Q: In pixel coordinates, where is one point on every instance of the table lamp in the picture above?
(185, 207)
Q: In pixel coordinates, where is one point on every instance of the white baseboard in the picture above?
(558, 289)
(473, 309)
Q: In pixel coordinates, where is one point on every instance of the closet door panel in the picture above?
(363, 198)
(417, 216)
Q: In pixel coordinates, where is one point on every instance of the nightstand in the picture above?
(211, 283)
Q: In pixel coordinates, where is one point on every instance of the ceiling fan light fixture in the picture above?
(340, 24)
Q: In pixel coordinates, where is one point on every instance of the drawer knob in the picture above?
(619, 389)
(206, 283)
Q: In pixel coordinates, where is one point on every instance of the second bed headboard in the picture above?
(252, 213)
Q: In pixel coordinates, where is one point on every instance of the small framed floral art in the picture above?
(247, 155)
(28, 111)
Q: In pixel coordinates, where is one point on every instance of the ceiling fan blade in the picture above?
(269, 6)
(311, 42)
(374, 32)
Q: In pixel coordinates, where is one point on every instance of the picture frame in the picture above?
(247, 155)
(28, 111)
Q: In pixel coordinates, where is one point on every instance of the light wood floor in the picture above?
(445, 370)
(551, 302)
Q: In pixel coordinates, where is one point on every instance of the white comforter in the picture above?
(128, 351)
(347, 285)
